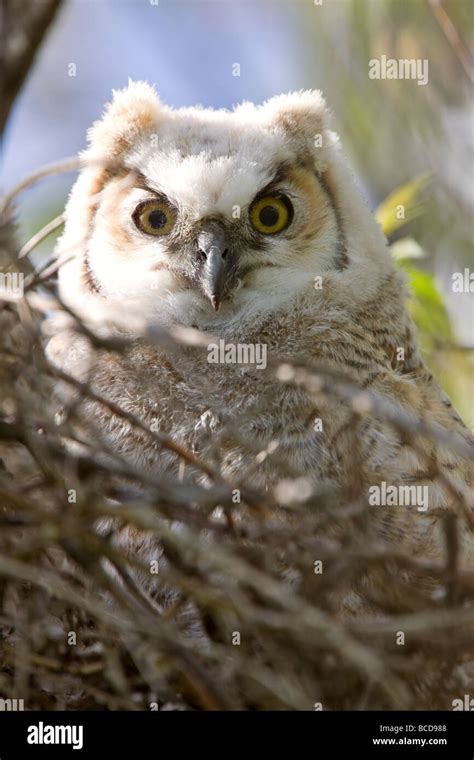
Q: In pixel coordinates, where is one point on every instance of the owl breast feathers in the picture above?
(248, 226)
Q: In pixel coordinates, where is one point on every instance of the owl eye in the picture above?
(154, 217)
(271, 214)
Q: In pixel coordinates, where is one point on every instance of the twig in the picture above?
(43, 233)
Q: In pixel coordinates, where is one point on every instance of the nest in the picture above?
(249, 611)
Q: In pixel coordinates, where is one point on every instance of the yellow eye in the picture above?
(154, 217)
(271, 214)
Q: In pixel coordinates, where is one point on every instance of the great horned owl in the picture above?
(248, 226)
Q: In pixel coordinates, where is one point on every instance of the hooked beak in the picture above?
(217, 265)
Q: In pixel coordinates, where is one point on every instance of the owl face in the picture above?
(202, 215)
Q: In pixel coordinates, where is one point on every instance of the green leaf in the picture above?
(406, 249)
(427, 307)
(402, 206)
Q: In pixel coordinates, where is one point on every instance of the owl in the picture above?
(248, 226)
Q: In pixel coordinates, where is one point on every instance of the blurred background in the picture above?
(409, 144)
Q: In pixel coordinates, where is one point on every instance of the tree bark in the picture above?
(23, 25)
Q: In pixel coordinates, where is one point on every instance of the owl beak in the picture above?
(216, 267)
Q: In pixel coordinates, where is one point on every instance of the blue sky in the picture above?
(186, 49)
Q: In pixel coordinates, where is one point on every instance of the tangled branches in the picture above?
(241, 606)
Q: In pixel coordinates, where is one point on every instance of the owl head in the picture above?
(206, 217)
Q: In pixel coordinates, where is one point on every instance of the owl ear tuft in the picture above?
(303, 116)
(133, 112)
